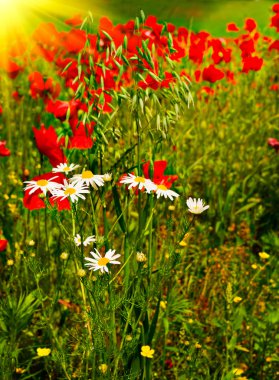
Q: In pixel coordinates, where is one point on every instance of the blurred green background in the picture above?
(212, 15)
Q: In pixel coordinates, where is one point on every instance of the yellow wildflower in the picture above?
(147, 352)
(237, 299)
(43, 351)
(103, 368)
(264, 255)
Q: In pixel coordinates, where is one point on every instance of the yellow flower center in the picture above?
(140, 179)
(42, 182)
(103, 261)
(70, 191)
(162, 187)
(66, 169)
(87, 174)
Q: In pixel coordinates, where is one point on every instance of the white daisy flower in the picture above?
(163, 191)
(140, 182)
(88, 178)
(74, 191)
(77, 240)
(99, 262)
(65, 168)
(86, 242)
(42, 184)
(196, 206)
(107, 177)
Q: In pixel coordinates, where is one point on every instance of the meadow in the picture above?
(139, 201)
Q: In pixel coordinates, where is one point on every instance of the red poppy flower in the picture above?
(3, 244)
(59, 108)
(274, 87)
(74, 40)
(250, 24)
(34, 202)
(251, 64)
(158, 175)
(212, 74)
(274, 46)
(274, 143)
(219, 52)
(275, 8)
(13, 69)
(48, 145)
(74, 21)
(247, 47)
(41, 88)
(4, 151)
(275, 21)
(232, 27)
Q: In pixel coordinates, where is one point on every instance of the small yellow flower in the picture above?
(31, 243)
(147, 352)
(237, 299)
(64, 256)
(6, 197)
(238, 371)
(197, 345)
(254, 266)
(171, 207)
(20, 371)
(129, 338)
(268, 359)
(264, 255)
(103, 368)
(43, 351)
(81, 272)
(163, 304)
(10, 262)
(141, 257)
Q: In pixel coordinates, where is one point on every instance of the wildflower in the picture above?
(238, 371)
(274, 143)
(88, 178)
(99, 262)
(107, 177)
(264, 255)
(237, 299)
(147, 352)
(137, 181)
(43, 351)
(197, 345)
(81, 273)
(64, 256)
(163, 304)
(196, 206)
(185, 239)
(212, 74)
(73, 191)
(65, 168)
(10, 262)
(129, 338)
(48, 144)
(31, 243)
(20, 371)
(3, 244)
(171, 208)
(44, 185)
(103, 368)
(254, 266)
(162, 190)
(141, 257)
(4, 151)
(87, 241)
(77, 240)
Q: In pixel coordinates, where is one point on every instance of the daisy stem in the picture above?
(95, 229)
(150, 245)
